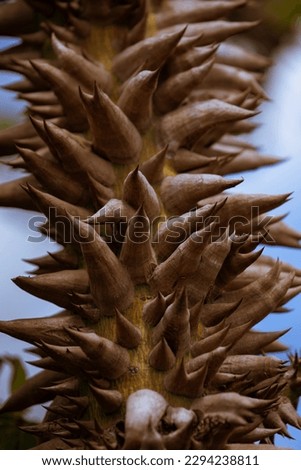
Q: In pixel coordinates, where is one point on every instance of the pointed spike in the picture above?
(288, 413)
(41, 430)
(88, 312)
(79, 67)
(174, 326)
(249, 160)
(19, 52)
(279, 233)
(161, 356)
(183, 263)
(274, 420)
(176, 379)
(195, 12)
(230, 403)
(184, 160)
(49, 329)
(100, 193)
(66, 258)
(254, 342)
(39, 97)
(116, 288)
(137, 191)
(52, 176)
(176, 230)
(136, 98)
(127, 335)
(113, 135)
(242, 204)
(212, 31)
(153, 168)
(184, 125)
(154, 309)
(46, 363)
(31, 392)
(22, 86)
(212, 360)
(10, 134)
(12, 194)
(81, 27)
(192, 57)
(209, 343)
(259, 434)
(238, 56)
(66, 410)
(47, 111)
(109, 400)
(114, 211)
(55, 287)
(251, 308)
(17, 162)
(39, 127)
(156, 49)
(195, 318)
(112, 359)
(76, 157)
(179, 382)
(137, 253)
(234, 77)
(70, 358)
(259, 367)
(64, 34)
(235, 264)
(35, 39)
(54, 209)
(172, 92)
(66, 387)
(66, 90)
(192, 189)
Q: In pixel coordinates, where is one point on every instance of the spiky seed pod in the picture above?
(137, 123)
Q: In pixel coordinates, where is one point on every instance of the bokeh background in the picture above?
(279, 134)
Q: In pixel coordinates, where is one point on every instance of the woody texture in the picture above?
(130, 147)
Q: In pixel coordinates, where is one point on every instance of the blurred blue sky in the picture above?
(279, 134)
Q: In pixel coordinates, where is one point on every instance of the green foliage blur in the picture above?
(283, 13)
(11, 436)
